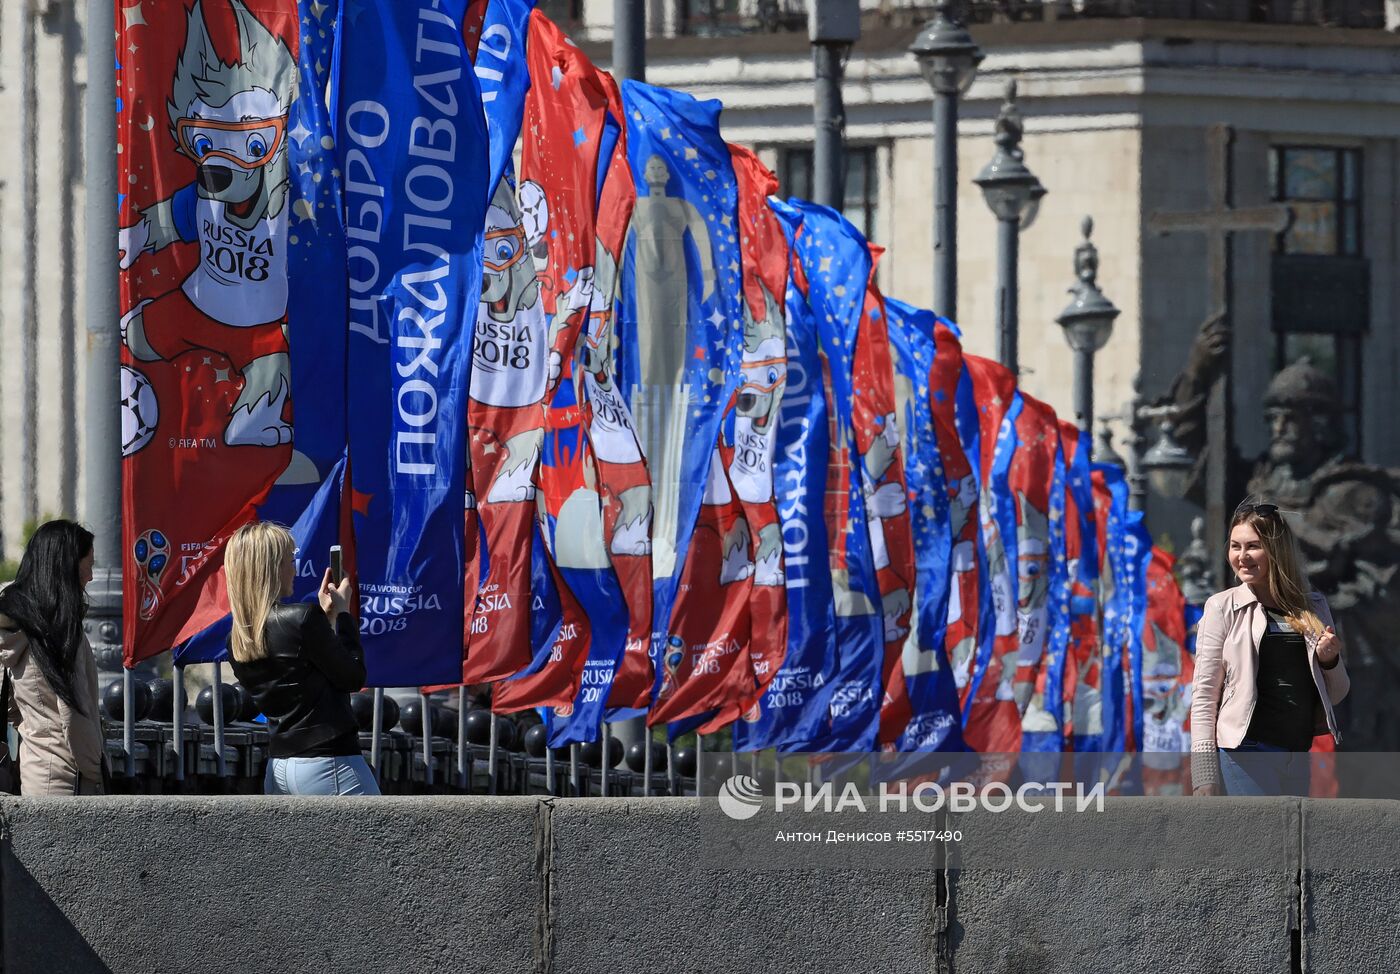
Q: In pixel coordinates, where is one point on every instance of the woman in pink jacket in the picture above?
(1268, 667)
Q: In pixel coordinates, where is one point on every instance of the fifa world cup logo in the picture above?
(671, 665)
(152, 552)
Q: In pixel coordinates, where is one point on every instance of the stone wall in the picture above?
(602, 885)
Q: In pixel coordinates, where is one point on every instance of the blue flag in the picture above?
(413, 152)
(836, 265)
(1137, 552)
(504, 77)
(1117, 609)
(1043, 728)
(796, 706)
(680, 317)
(936, 719)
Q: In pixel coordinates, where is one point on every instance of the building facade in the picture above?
(41, 276)
(1118, 102)
(1118, 98)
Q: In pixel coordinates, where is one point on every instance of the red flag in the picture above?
(205, 374)
(1167, 671)
(964, 597)
(622, 471)
(1032, 482)
(536, 292)
(993, 724)
(877, 436)
(748, 455)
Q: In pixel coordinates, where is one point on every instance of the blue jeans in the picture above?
(1255, 768)
(349, 775)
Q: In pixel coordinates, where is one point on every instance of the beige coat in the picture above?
(1223, 691)
(60, 750)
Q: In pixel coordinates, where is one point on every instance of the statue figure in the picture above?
(1346, 515)
(661, 225)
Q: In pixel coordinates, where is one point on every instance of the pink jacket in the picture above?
(1227, 663)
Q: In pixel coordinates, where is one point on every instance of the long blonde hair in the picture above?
(253, 567)
(1288, 585)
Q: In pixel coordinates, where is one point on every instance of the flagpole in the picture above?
(832, 26)
(629, 61)
(629, 43)
(102, 485)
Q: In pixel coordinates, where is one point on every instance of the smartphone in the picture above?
(337, 564)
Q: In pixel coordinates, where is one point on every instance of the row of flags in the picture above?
(597, 419)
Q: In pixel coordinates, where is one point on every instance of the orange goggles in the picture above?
(247, 145)
(504, 249)
(760, 388)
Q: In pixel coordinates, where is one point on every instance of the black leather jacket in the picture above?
(305, 681)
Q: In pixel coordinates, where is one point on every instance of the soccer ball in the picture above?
(534, 212)
(139, 411)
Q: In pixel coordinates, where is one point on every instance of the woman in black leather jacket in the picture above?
(301, 661)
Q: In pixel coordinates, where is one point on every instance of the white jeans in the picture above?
(348, 775)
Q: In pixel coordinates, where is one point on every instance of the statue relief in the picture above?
(1347, 521)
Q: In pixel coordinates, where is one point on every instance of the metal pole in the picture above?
(102, 484)
(829, 120)
(28, 174)
(491, 759)
(376, 736)
(1007, 322)
(629, 51)
(549, 768)
(646, 764)
(218, 691)
(425, 709)
(1084, 388)
(945, 204)
(699, 765)
(604, 739)
(463, 764)
(129, 722)
(179, 735)
(67, 324)
(573, 768)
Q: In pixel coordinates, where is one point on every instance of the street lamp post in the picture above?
(948, 59)
(629, 44)
(1013, 194)
(832, 26)
(1088, 323)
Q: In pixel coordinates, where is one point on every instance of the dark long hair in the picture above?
(47, 603)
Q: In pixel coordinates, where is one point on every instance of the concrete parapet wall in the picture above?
(608, 885)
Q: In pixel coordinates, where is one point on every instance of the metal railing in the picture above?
(729, 17)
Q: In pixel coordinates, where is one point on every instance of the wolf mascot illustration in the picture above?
(962, 501)
(508, 381)
(764, 370)
(231, 121)
(610, 426)
(884, 500)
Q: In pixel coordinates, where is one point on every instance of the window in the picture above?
(1321, 279)
(1323, 185)
(862, 202)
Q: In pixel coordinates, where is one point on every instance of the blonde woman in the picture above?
(301, 661)
(1268, 667)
